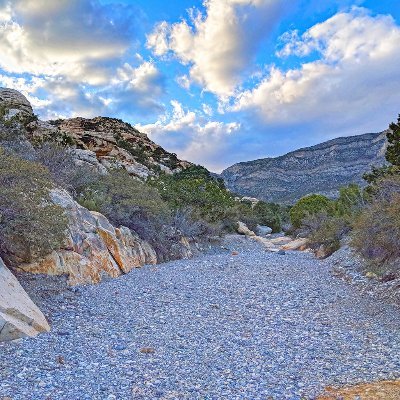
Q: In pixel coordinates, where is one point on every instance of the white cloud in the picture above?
(207, 110)
(70, 58)
(355, 76)
(70, 38)
(219, 46)
(192, 136)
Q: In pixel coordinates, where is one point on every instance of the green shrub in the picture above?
(325, 230)
(127, 201)
(308, 206)
(351, 200)
(376, 234)
(31, 226)
(196, 189)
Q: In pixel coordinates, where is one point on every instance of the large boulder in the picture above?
(19, 316)
(14, 103)
(263, 230)
(244, 230)
(94, 247)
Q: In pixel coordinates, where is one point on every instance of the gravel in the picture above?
(255, 325)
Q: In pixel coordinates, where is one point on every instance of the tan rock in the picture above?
(19, 316)
(93, 248)
(244, 230)
(14, 103)
(281, 240)
(297, 244)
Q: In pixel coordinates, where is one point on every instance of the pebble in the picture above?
(254, 326)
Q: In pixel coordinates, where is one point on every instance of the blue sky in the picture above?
(217, 82)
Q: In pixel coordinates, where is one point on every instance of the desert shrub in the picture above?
(194, 188)
(393, 149)
(308, 206)
(325, 230)
(127, 201)
(59, 160)
(31, 226)
(270, 214)
(376, 233)
(351, 200)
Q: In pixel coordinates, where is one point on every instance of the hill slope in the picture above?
(112, 142)
(323, 168)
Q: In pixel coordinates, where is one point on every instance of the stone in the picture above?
(263, 230)
(244, 230)
(19, 316)
(297, 244)
(14, 103)
(93, 248)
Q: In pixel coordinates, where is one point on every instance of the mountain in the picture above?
(323, 169)
(106, 142)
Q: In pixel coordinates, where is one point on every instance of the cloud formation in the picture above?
(354, 75)
(192, 135)
(220, 45)
(74, 51)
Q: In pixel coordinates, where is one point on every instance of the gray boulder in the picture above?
(263, 230)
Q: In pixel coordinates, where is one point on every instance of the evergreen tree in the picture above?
(393, 150)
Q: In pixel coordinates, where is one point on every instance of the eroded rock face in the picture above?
(322, 169)
(19, 316)
(93, 248)
(114, 144)
(14, 104)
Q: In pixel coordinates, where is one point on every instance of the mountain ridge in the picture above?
(322, 168)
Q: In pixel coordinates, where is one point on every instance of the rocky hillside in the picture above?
(323, 169)
(108, 141)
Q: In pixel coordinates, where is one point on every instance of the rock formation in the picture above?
(323, 169)
(19, 316)
(113, 142)
(93, 247)
(14, 104)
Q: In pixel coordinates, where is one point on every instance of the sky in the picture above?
(215, 81)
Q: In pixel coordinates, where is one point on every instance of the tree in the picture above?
(393, 149)
(310, 205)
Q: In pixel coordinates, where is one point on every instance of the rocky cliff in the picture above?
(323, 169)
(107, 142)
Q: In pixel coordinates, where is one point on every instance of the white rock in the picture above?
(19, 316)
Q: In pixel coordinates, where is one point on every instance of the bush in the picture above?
(196, 189)
(376, 234)
(308, 206)
(324, 230)
(351, 200)
(31, 226)
(127, 201)
(63, 168)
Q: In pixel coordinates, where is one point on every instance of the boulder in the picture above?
(94, 247)
(19, 316)
(244, 230)
(14, 104)
(263, 230)
(297, 244)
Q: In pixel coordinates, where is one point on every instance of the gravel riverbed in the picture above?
(255, 325)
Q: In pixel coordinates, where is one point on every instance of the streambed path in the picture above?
(255, 325)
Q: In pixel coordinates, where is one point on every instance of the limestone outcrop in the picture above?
(113, 142)
(14, 103)
(94, 247)
(19, 316)
(322, 169)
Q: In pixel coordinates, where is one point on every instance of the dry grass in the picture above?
(382, 390)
